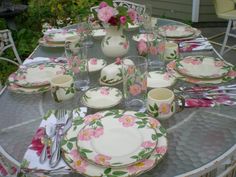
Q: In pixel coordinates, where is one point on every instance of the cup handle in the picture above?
(182, 100)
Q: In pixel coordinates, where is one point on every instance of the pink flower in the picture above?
(74, 63)
(188, 59)
(85, 134)
(171, 65)
(144, 84)
(153, 122)
(104, 91)
(135, 89)
(93, 61)
(141, 166)
(105, 13)
(196, 62)
(92, 117)
(133, 15)
(161, 47)
(219, 63)
(3, 171)
(102, 159)
(118, 61)
(126, 45)
(164, 108)
(153, 50)
(148, 144)
(161, 150)
(41, 67)
(102, 4)
(131, 70)
(127, 120)
(78, 163)
(167, 76)
(231, 73)
(98, 132)
(123, 20)
(142, 47)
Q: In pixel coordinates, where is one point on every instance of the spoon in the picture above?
(50, 132)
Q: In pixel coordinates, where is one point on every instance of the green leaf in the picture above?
(78, 121)
(119, 173)
(158, 135)
(156, 114)
(151, 108)
(141, 126)
(140, 114)
(156, 107)
(63, 142)
(69, 145)
(107, 171)
(134, 157)
(86, 150)
(99, 124)
(73, 139)
(154, 137)
(83, 154)
(47, 115)
(163, 130)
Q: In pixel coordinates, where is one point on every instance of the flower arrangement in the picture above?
(115, 16)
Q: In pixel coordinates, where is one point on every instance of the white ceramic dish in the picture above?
(156, 79)
(45, 43)
(175, 31)
(116, 142)
(98, 33)
(96, 64)
(102, 97)
(59, 35)
(37, 74)
(145, 37)
(73, 158)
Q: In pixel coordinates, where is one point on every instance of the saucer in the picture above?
(95, 64)
(156, 79)
(102, 97)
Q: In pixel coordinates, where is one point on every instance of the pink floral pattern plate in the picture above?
(102, 97)
(202, 67)
(175, 31)
(36, 75)
(171, 67)
(95, 64)
(116, 142)
(145, 37)
(73, 158)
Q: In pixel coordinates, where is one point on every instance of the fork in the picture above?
(55, 149)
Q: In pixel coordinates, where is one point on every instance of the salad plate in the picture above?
(175, 31)
(37, 74)
(74, 158)
(95, 64)
(102, 97)
(46, 43)
(59, 35)
(145, 37)
(156, 79)
(18, 89)
(171, 67)
(202, 67)
(116, 142)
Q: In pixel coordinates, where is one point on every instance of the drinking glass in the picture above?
(85, 31)
(76, 54)
(135, 82)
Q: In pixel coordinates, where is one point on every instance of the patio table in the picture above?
(199, 139)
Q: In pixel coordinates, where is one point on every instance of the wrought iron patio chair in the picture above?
(6, 41)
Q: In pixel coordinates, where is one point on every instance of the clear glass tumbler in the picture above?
(135, 71)
(76, 54)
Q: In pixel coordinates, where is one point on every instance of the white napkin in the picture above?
(35, 60)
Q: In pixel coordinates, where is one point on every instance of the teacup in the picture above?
(62, 87)
(171, 51)
(161, 103)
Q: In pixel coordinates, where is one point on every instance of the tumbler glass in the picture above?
(135, 82)
(76, 54)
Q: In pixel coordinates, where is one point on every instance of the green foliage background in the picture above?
(29, 25)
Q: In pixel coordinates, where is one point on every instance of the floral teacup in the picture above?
(161, 103)
(62, 87)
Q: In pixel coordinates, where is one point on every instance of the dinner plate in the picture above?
(175, 31)
(202, 67)
(73, 158)
(45, 43)
(102, 97)
(98, 33)
(156, 79)
(96, 64)
(18, 89)
(59, 35)
(37, 74)
(171, 67)
(145, 37)
(116, 142)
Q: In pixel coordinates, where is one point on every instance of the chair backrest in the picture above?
(222, 6)
(130, 5)
(6, 41)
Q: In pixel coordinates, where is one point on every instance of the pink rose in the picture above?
(92, 117)
(102, 4)
(153, 50)
(105, 13)
(161, 150)
(78, 163)
(102, 159)
(104, 91)
(127, 120)
(148, 144)
(135, 89)
(132, 14)
(219, 63)
(142, 47)
(98, 132)
(126, 45)
(123, 20)
(153, 122)
(93, 61)
(164, 108)
(231, 73)
(85, 134)
(171, 65)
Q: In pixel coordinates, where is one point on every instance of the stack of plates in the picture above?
(34, 78)
(56, 37)
(202, 69)
(114, 143)
(178, 32)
